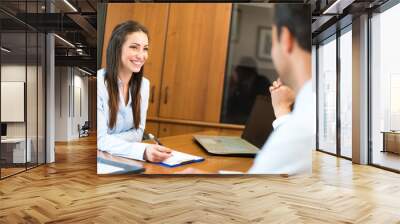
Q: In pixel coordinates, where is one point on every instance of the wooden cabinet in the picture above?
(154, 17)
(186, 65)
(171, 129)
(152, 127)
(195, 56)
(391, 141)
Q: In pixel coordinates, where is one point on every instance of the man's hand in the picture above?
(282, 98)
(156, 153)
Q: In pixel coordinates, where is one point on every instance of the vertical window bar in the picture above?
(317, 95)
(37, 90)
(369, 79)
(338, 74)
(26, 87)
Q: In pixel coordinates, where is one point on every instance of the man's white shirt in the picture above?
(289, 148)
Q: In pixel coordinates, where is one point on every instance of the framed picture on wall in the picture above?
(264, 43)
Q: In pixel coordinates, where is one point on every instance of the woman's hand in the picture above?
(156, 153)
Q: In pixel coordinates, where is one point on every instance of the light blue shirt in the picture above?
(123, 140)
(289, 148)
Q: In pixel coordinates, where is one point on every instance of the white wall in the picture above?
(71, 93)
(62, 81)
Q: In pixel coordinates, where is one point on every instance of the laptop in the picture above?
(258, 128)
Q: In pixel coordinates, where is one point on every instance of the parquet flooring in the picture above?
(69, 191)
(10, 171)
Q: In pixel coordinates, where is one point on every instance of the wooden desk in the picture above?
(391, 141)
(185, 143)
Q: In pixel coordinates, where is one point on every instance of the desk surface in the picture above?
(185, 143)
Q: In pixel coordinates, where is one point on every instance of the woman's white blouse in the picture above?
(123, 140)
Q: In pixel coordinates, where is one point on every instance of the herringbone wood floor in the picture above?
(69, 191)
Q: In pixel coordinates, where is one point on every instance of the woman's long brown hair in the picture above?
(114, 51)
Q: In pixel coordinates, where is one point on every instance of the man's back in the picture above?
(289, 148)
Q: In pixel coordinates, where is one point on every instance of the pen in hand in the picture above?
(152, 137)
(160, 147)
(156, 153)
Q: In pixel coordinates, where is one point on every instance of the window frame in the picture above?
(332, 37)
(379, 10)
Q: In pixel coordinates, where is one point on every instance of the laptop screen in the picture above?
(259, 124)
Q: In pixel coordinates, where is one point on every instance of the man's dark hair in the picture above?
(297, 19)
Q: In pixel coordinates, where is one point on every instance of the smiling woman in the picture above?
(123, 94)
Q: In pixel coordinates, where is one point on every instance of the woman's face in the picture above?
(134, 51)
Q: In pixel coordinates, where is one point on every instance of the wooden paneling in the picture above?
(233, 132)
(152, 127)
(167, 129)
(197, 123)
(154, 17)
(171, 129)
(195, 57)
(116, 13)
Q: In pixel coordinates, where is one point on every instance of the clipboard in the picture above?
(180, 159)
